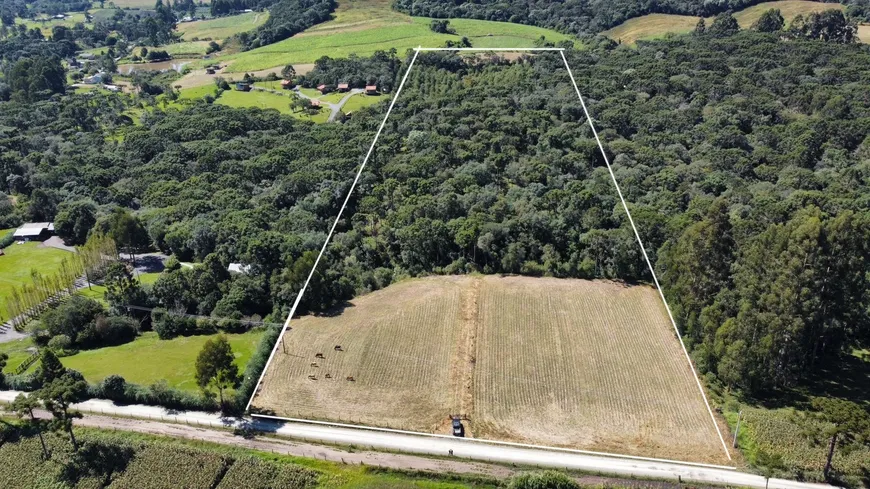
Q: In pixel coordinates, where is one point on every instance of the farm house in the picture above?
(34, 231)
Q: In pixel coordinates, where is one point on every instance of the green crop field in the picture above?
(148, 461)
(149, 359)
(366, 26)
(654, 26)
(17, 262)
(308, 48)
(222, 27)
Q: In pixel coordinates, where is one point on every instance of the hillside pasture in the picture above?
(45, 23)
(364, 40)
(582, 364)
(222, 27)
(656, 26)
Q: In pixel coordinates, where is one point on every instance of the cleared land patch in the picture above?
(655, 26)
(574, 363)
(222, 27)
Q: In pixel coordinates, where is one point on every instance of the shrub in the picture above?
(255, 366)
(543, 480)
(116, 330)
(60, 342)
(113, 387)
(7, 239)
(168, 325)
(72, 317)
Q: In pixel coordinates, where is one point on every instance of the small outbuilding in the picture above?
(371, 90)
(239, 268)
(323, 89)
(243, 86)
(34, 231)
(287, 84)
(209, 71)
(94, 80)
(343, 87)
(315, 102)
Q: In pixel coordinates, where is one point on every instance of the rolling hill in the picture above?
(654, 26)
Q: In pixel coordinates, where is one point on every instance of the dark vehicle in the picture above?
(458, 429)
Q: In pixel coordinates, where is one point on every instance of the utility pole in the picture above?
(737, 429)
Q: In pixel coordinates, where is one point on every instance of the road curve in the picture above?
(462, 449)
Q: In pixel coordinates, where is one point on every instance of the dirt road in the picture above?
(298, 449)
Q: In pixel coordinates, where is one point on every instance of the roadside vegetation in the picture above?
(114, 460)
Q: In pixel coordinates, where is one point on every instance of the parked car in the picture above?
(458, 429)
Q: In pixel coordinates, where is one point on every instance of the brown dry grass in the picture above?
(594, 365)
(398, 345)
(574, 363)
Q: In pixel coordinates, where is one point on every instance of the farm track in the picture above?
(581, 364)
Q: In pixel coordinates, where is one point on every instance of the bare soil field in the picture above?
(583, 364)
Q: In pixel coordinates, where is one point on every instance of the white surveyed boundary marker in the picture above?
(331, 231)
(645, 256)
(478, 440)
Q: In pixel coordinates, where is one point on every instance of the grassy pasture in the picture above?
(341, 40)
(222, 27)
(149, 359)
(45, 23)
(655, 26)
(360, 101)
(573, 363)
(17, 350)
(17, 262)
(254, 98)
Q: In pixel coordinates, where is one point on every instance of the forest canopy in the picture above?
(735, 151)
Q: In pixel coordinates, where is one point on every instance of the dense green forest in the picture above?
(736, 152)
(577, 17)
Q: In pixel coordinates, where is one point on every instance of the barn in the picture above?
(34, 231)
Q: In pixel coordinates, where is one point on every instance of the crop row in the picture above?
(150, 466)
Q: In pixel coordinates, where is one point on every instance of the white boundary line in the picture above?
(494, 442)
(646, 257)
(625, 206)
(331, 231)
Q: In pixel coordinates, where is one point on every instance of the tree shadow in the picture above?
(336, 310)
(845, 377)
(149, 264)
